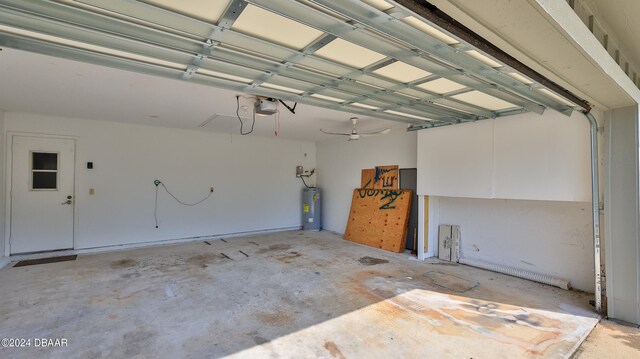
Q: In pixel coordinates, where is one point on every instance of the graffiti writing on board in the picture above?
(386, 176)
(389, 196)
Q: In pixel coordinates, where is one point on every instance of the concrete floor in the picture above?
(292, 294)
(611, 340)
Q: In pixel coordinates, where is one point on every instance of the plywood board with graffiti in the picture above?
(381, 177)
(367, 178)
(379, 218)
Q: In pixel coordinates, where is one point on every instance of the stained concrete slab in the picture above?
(611, 340)
(288, 295)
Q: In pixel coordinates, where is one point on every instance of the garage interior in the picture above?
(312, 178)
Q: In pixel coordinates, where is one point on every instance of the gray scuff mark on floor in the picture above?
(451, 282)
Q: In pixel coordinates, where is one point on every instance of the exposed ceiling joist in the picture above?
(385, 62)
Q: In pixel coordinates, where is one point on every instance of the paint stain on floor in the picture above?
(451, 282)
(289, 257)
(203, 260)
(371, 261)
(277, 318)
(124, 263)
(275, 248)
(333, 349)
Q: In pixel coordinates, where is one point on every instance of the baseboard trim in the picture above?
(120, 247)
(4, 261)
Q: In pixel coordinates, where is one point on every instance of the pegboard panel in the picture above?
(379, 218)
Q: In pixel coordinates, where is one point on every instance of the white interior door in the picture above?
(42, 198)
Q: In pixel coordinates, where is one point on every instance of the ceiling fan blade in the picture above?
(376, 133)
(335, 133)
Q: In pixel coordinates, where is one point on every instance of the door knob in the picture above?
(67, 202)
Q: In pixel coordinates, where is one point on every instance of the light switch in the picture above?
(92, 191)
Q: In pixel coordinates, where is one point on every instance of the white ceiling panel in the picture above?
(441, 86)
(483, 100)
(224, 76)
(402, 72)
(475, 54)
(281, 88)
(348, 53)
(378, 4)
(521, 78)
(406, 115)
(556, 97)
(208, 10)
(328, 98)
(278, 29)
(364, 105)
(430, 30)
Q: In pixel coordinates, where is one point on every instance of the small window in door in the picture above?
(44, 171)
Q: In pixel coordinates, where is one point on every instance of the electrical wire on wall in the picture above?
(302, 177)
(253, 123)
(305, 182)
(159, 183)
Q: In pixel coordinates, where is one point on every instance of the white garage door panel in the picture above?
(543, 158)
(456, 161)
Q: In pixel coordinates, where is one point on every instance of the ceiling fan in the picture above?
(354, 135)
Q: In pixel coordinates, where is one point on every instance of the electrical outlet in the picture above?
(211, 188)
(299, 171)
(92, 191)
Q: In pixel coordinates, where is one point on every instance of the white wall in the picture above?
(340, 163)
(519, 187)
(254, 179)
(526, 156)
(545, 237)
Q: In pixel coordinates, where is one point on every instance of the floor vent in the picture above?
(32, 262)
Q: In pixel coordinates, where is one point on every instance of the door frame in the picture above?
(414, 199)
(9, 178)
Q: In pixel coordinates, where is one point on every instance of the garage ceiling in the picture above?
(373, 57)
